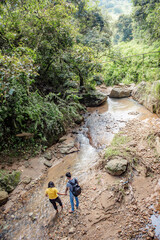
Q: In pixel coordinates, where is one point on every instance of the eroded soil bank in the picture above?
(110, 207)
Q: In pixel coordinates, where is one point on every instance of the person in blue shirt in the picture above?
(71, 182)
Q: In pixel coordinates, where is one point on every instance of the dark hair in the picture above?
(50, 184)
(68, 174)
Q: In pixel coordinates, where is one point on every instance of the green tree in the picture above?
(146, 18)
(124, 30)
(82, 62)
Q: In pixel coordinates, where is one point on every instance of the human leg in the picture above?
(59, 201)
(54, 204)
(77, 202)
(72, 201)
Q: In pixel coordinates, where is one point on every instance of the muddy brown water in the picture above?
(94, 135)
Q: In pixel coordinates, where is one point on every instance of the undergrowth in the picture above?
(123, 66)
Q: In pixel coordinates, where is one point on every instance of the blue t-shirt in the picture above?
(74, 180)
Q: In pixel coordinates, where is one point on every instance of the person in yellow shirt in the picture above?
(53, 193)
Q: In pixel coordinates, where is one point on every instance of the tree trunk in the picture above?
(81, 81)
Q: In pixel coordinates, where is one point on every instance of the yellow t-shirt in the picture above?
(52, 193)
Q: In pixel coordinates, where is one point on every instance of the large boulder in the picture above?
(3, 197)
(148, 94)
(121, 91)
(116, 166)
(93, 98)
(8, 181)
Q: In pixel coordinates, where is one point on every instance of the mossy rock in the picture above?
(116, 166)
(93, 98)
(3, 197)
(8, 181)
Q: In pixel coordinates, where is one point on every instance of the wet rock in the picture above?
(116, 166)
(32, 216)
(72, 230)
(93, 98)
(48, 155)
(47, 163)
(3, 197)
(69, 145)
(68, 151)
(62, 139)
(151, 234)
(121, 91)
(26, 180)
(5, 227)
(67, 148)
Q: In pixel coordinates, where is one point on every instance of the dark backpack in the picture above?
(76, 188)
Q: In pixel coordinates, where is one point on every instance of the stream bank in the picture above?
(107, 209)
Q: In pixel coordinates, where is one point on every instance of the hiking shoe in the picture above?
(71, 211)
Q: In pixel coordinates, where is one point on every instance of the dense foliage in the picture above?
(146, 16)
(46, 53)
(124, 29)
(136, 57)
(128, 64)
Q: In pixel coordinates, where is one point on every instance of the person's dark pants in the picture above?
(53, 201)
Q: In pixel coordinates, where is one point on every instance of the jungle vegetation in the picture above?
(135, 56)
(48, 50)
(51, 49)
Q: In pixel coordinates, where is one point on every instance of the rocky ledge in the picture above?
(148, 94)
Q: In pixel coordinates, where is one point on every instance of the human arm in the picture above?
(61, 193)
(66, 190)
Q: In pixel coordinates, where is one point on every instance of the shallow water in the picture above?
(156, 223)
(93, 136)
(155, 218)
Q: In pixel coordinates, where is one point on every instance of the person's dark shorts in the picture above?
(53, 201)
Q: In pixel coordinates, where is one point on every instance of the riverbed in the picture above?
(30, 218)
